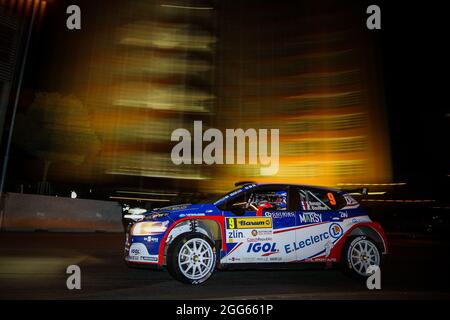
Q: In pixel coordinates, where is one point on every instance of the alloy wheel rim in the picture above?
(196, 258)
(363, 255)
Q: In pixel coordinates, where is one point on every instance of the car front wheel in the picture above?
(191, 258)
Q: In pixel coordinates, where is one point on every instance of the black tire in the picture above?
(351, 244)
(173, 266)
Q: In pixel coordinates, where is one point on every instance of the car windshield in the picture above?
(210, 199)
(215, 197)
(232, 194)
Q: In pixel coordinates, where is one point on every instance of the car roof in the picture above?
(301, 186)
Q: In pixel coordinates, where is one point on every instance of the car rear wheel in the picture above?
(191, 258)
(359, 254)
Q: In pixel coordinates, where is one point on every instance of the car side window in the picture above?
(312, 201)
(275, 200)
(330, 198)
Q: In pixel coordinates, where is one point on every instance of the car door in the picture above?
(253, 236)
(318, 225)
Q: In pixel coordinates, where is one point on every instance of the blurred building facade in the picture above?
(154, 74)
(141, 69)
(309, 69)
(11, 34)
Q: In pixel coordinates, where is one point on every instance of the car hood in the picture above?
(185, 210)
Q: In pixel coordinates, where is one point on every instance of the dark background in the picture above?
(414, 68)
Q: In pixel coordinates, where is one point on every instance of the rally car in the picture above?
(258, 224)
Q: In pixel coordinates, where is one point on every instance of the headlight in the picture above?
(149, 228)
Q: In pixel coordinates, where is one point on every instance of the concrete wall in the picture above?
(26, 212)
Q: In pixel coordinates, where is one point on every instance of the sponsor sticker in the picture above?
(259, 239)
(280, 214)
(310, 217)
(265, 248)
(335, 230)
(248, 235)
(249, 223)
(182, 215)
(151, 239)
(150, 258)
(234, 234)
(261, 232)
(349, 200)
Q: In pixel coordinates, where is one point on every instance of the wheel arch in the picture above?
(372, 233)
(209, 227)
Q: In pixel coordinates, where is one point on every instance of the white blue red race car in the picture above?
(258, 224)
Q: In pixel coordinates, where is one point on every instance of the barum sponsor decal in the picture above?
(248, 223)
(310, 217)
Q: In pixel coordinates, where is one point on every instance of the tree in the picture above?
(56, 128)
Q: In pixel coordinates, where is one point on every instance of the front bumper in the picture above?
(142, 249)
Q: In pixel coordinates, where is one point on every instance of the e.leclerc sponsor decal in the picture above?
(334, 231)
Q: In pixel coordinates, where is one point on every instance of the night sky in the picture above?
(414, 67)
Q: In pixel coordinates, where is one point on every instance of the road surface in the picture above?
(33, 266)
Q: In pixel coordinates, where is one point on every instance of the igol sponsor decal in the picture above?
(135, 251)
(265, 248)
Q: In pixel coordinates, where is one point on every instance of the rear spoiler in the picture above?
(358, 191)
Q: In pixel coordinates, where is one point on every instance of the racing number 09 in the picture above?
(231, 223)
(331, 198)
